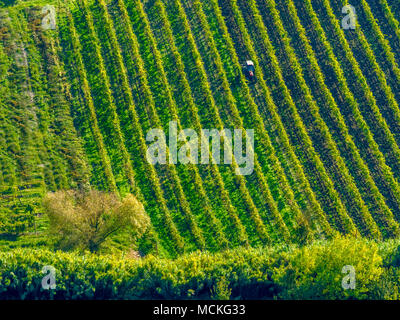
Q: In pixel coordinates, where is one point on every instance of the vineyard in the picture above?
(77, 101)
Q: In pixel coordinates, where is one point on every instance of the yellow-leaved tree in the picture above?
(85, 219)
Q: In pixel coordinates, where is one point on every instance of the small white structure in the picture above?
(249, 63)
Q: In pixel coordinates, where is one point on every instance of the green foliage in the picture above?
(312, 272)
(5, 3)
(76, 104)
(220, 290)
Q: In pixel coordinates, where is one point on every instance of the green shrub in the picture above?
(220, 290)
(312, 272)
(16, 220)
(315, 272)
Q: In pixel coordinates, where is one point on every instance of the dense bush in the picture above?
(312, 272)
(316, 272)
(16, 220)
(86, 219)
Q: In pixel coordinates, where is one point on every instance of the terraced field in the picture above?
(77, 102)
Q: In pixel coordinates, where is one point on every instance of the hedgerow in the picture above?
(280, 272)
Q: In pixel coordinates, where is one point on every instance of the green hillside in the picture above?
(77, 102)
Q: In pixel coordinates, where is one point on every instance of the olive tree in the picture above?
(86, 219)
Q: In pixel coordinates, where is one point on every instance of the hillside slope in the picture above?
(77, 102)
